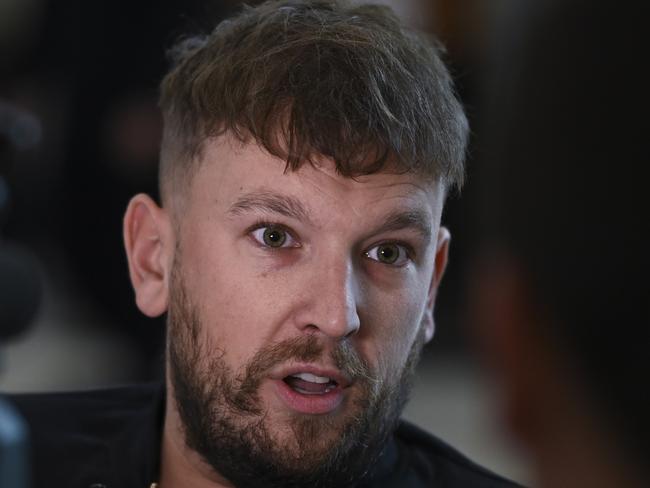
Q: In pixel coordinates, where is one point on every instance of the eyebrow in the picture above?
(267, 201)
(270, 202)
(415, 219)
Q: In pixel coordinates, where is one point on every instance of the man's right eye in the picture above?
(273, 236)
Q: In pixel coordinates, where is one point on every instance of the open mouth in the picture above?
(310, 384)
(312, 390)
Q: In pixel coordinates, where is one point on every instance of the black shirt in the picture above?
(111, 439)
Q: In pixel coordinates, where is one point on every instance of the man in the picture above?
(562, 302)
(307, 152)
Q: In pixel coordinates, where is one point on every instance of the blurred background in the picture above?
(79, 134)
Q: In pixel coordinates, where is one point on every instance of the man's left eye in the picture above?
(392, 254)
(272, 236)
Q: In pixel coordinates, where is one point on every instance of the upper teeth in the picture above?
(312, 378)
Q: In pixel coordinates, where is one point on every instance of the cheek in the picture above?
(232, 304)
(391, 329)
(244, 305)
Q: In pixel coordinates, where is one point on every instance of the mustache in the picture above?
(308, 348)
(302, 348)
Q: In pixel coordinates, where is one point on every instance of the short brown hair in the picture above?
(316, 78)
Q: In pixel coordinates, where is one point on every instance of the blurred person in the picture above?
(561, 302)
(297, 251)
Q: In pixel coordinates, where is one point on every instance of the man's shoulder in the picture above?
(439, 463)
(68, 411)
(90, 400)
(80, 437)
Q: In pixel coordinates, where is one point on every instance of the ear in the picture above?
(439, 266)
(148, 239)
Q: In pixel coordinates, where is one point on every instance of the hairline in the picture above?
(177, 177)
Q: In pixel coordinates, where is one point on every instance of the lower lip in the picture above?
(309, 404)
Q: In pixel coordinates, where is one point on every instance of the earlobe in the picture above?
(148, 241)
(440, 264)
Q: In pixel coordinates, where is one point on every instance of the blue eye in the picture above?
(273, 236)
(389, 253)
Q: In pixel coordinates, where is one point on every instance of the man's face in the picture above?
(299, 302)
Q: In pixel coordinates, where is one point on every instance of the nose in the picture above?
(332, 302)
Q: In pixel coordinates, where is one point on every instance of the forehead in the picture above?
(230, 169)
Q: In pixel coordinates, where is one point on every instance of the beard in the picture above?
(227, 424)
